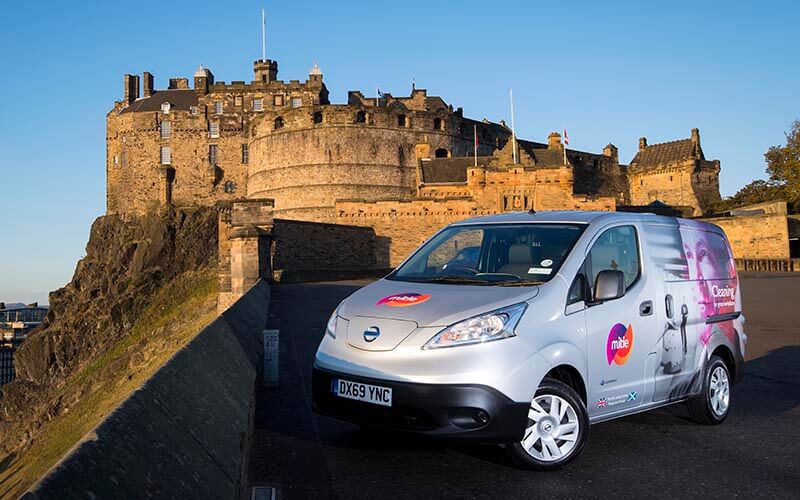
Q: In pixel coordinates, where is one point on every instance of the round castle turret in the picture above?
(307, 158)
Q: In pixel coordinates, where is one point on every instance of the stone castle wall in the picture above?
(405, 225)
(137, 180)
(306, 166)
(757, 237)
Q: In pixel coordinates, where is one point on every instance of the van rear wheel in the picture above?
(712, 405)
(556, 431)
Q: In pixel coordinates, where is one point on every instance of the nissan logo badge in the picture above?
(371, 333)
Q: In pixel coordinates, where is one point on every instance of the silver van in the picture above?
(525, 328)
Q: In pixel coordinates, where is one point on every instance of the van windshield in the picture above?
(491, 254)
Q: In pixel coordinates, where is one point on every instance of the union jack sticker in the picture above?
(601, 403)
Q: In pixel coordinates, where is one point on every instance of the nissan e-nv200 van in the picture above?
(525, 328)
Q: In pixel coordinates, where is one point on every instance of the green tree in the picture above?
(783, 165)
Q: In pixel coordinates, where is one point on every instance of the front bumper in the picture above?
(459, 411)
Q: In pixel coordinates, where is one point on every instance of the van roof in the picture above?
(585, 217)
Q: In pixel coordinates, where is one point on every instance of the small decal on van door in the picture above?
(619, 344)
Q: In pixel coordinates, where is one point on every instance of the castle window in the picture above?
(441, 153)
(212, 154)
(297, 102)
(166, 155)
(237, 100)
(116, 160)
(123, 159)
(318, 117)
(229, 186)
(193, 110)
(277, 100)
(213, 130)
(361, 117)
(217, 107)
(258, 104)
(278, 123)
(165, 108)
(438, 124)
(401, 121)
(166, 129)
(245, 153)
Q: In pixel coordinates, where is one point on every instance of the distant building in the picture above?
(16, 320)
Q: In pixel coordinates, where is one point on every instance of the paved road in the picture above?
(756, 453)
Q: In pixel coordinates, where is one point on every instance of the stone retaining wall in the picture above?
(186, 432)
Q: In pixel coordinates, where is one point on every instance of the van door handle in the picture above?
(646, 308)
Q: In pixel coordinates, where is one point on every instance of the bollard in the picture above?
(271, 367)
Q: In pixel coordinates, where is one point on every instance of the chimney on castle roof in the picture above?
(147, 84)
(554, 141)
(265, 70)
(611, 151)
(179, 83)
(131, 88)
(696, 137)
(203, 79)
(642, 143)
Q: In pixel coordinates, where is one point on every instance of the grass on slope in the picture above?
(176, 315)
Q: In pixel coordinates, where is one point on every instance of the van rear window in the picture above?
(683, 253)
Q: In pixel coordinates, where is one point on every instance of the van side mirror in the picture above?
(609, 285)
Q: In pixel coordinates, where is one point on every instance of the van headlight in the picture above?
(494, 325)
(330, 329)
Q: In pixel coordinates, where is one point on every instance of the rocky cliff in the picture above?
(144, 284)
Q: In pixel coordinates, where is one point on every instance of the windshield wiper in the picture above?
(465, 280)
(517, 283)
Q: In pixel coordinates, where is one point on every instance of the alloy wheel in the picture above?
(553, 428)
(719, 391)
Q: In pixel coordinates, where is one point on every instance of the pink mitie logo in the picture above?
(619, 344)
(403, 299)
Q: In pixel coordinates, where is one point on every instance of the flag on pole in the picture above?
(475, 130)
(566, 143)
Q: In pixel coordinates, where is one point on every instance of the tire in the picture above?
(534, 451)
(712, 405)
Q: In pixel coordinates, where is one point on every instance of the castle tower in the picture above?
(675, 173)
(203, 79)
(265, 70)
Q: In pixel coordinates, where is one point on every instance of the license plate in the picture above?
(362, 392)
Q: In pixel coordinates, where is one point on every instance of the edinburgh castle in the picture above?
(402, 166)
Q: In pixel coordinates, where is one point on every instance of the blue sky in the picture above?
(611, 73)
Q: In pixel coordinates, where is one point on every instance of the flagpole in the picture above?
(513, 132)
(263, 35)
(377, 96)
(475, 131)
(566, 142)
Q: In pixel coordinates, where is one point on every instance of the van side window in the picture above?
(577, 292)
(617, 249)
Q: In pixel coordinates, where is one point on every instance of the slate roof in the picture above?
(438, 170)
(179, 99)
(666, 152)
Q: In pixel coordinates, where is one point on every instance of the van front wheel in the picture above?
(556, 431)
